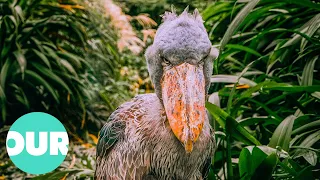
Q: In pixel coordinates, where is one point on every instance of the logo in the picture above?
(37, 143)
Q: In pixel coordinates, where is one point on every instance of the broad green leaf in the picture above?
(282, 135)
(307, 74)
(310, 156)
(265, 169)
(249, 160)
(307, 143)
(245, 164)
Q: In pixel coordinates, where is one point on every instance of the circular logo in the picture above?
(37, 143)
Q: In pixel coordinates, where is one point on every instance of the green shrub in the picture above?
(269, 52)
(56, 57)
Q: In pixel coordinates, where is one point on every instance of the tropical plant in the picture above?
(50, 53)
(267, 87)
(58, 57)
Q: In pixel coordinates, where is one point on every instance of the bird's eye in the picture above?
(166, 61)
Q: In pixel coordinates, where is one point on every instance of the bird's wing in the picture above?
(120, 153)
(110, 133)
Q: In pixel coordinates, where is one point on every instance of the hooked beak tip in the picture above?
(188, 146)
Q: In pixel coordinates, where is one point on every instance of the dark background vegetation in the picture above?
(71, 59)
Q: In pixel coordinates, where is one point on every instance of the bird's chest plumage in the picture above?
(149, 138)
(169, 159)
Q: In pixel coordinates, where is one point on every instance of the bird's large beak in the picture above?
(183, 94)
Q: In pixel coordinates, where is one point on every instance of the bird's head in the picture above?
(180, 65)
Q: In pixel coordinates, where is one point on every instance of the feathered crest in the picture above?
(170, 16)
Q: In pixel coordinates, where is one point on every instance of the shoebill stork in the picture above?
(165, 135)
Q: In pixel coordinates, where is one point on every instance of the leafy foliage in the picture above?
(272, 48)
(58, 57)
(55, 57)
(61, 57)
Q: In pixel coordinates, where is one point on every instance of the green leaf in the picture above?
(74, 59)
(316, 94)
(304, 128)
(282, 135)
(49, 74)
(243, 48)
(215, 9)
(267, 109)
(245, 164)
(20, 96)
(307, 74)
(4, 73)
(69, 67)
(306, 173)
(231, 79)
(249, 160)
(42, 57)
(21, 60)
(232, 93)
(313, 25)
(265, 169)
(236, 22)
(36, 78)
(311, 157)
(307, 143)
(289, 88)
(238, 132)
